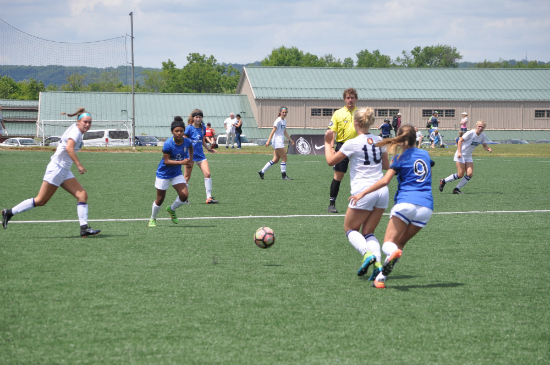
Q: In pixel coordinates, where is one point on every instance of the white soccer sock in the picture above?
(357, 241)
(388, 248)
(373, 246)
(176, 204)
(450, 178)
(82, 210)
(283, 167)
(267, 166)
(208, 187)
(23, 206)
(155, 211)
(463, 182)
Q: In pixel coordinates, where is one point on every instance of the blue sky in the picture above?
(244, 31)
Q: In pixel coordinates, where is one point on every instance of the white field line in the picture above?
(275, 216)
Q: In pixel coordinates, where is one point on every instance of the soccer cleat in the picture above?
(441, 184)
(368, 259)
(186, 202)
(86, 231)
(286, 177)
(391, 261)
(261, 175)
(379, 283)
(332, 209)
(457, 191)
(375, 272)
(152, 222)
(172, 214)
(6, 216)
(211, 201)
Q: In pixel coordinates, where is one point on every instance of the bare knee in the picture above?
(38, 202)
(81, 196)
(207, 176)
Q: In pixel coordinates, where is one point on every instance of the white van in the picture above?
(107, 138)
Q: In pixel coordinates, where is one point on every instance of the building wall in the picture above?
(498, 115)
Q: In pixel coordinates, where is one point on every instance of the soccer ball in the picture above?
(264, 237)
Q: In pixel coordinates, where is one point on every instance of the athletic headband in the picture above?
(196, 114)
(283, 109)
(84, 115)
(177, 123)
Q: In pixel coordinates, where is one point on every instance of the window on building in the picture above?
(449, 113)
(381, 112)
(315, 112)
(542, 113)
(393, 112)
(328, 112)
(426, 113)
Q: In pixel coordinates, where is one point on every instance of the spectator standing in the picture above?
(385, 129)
(396, 123)
(434, 121)
(464, 122)
(238, 131)
(230, 130)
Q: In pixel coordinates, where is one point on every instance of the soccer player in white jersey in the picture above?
(58, 173)
(367, 161)
(463, 156)
(278, 134)
(413, 200)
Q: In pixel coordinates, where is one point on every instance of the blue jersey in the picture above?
(196, 135)
(177, 153)
(434, 121)
(414, 177)
(386, 128)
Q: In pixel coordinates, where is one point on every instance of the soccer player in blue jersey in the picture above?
(196, 131)
(413, 200)
(58, 174)
(176, 151)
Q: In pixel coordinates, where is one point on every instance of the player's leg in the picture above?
(469, 172)
(269, 164)
(161, 186)
(205, 168)
(352, 224)
(281, 152)
(335, 188)
(187, 170)
(73, 187)
(460, 169)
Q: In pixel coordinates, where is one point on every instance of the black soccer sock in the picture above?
(334, 189)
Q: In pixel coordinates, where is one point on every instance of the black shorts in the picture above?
(341, 166)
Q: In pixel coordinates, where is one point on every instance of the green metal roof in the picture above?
(154, 112)
(399, 83)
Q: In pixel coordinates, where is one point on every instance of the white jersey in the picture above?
(61, 157)
(471, 141)
(279, 135)
(366, 161)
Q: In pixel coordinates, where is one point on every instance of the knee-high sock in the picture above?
(283, 167)
(267, 166)
(334, 189)
(357, 241)
(388, 248)
(176, 204)
(82, 210)
(373, 246)
(208, 187)
(23, 206)
(450, 178)
(155, 211)
(464, 181)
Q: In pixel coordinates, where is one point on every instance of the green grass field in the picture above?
(471, 288)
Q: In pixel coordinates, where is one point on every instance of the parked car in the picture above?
(19, 142)
(543, 141)
(107, 138)
(514, 141)
(52, 141)
(261, 142)
(244, 141)
(147, 141)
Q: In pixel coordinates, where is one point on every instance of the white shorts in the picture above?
(56, 175)
(464, 159)
(278, 143)
(164, 184)
(412, 214)
(376, 199)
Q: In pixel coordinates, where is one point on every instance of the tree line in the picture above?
(204, 74)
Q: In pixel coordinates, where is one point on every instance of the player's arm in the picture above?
(487, 148)
(287, 136)
(459, 147)
(384, 181)
(332, 157)
(385, 161)
(72, 154)
(270, 136)
(205, 146)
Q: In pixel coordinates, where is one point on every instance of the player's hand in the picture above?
(355, 198)
(267, 143)
(459, 155)
(329, 136)
(490, 150)
(211, 150)
(291, 141)
(81, 169)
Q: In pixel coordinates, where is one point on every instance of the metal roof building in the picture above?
(515, 99)
(154, 112)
